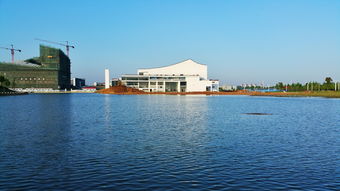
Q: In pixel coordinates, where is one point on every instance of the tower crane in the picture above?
(12, 49)
(66, 45)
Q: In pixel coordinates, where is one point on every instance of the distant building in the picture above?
(114, 82)
(187, 76)
(98, 84)
(77, 83)
(89, 88)
(51, 70)
(228, 88)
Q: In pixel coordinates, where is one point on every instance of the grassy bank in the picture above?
(326, 94)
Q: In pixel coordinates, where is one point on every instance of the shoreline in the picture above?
(12, 93)
(128, 91)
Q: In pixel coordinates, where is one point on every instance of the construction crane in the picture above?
(66, 45)
(12, 49)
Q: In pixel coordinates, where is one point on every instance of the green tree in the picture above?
(328, 80)
(279, 86)
(328, 85)
(4, 81)
(7, 82)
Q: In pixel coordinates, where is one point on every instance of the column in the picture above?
(179, 86)
(107, 78)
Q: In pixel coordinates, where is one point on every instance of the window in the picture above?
(132, 83)
(143, 85)
(130, 78)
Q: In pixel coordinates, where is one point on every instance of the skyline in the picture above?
(239, 41)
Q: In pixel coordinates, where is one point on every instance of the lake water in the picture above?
(162, 142)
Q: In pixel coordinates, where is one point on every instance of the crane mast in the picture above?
(12, 49)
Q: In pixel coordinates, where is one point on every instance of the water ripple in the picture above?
(56, 142)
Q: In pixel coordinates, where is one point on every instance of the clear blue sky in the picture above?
(240, 41)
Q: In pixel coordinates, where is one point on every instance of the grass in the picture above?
(326, 94)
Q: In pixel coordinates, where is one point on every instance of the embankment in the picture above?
(123, 90)
(7, 92)
(132, 91)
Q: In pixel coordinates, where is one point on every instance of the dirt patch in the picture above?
(120, 90)
(133, 91)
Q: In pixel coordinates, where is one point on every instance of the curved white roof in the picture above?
(187, 67)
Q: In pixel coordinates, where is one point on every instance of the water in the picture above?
(159, 142)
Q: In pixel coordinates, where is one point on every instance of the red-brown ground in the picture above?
(132, 91)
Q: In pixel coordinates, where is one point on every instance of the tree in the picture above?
(328, 85)
(4, 81)
(328, 80)
(279, 86)
(7, 82)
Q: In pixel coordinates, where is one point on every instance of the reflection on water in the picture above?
(148, 142)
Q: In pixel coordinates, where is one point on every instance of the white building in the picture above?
(107, 78)
(187, 76)
(77, 82)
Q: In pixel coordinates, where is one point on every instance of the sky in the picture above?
(241, 41)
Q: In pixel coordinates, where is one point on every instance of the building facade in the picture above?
(187, 76)
(77, 83)
(51, 70)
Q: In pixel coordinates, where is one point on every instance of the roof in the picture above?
(20, 63)
(173, 64)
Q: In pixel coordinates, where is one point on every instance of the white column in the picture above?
(156, 86)
(149, 86)
(179, 86)
(107, 78)
(163, 86)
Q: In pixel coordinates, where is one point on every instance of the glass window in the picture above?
(132, 83)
